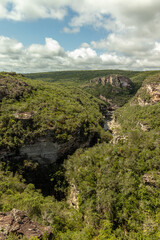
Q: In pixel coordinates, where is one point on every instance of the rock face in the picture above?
(115, 127)
(73, 197)
(41, 158)
(149, 94)
(44, 151)
(115, 81)
(18, 223)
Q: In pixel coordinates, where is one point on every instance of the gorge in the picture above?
(82, 151)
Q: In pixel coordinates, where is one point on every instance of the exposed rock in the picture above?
(154, 91)
(152, 179)
(43, 151)
(10, 87)
(115, 127)
(24, 115)
(144, 127)
(41, 159)
(17, 222)
(148, 94)
(103, 98)
(73, 197)
(115, 81)
(141, 102)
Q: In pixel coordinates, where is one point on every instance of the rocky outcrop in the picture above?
(73, 197)
(39, 160)
(24, 115)
(115, 128)
(11, 87)
(152, 179)
(43, 151)
(46, 151)
(143, 126)
(114, 80)
(148, 94)
(18, 223)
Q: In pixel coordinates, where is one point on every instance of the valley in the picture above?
(81, 146)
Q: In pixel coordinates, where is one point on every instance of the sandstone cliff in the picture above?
(114, 80)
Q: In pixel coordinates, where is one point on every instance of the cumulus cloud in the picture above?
(28, 10)
(140, 18)
(82, 53)
(132, 35)
(49, 57)
(52, 57)
(49, 50)
(125, 44)
(102, 13)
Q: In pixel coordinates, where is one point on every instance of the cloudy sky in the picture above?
(56, 35)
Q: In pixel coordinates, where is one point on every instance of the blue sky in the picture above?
(36, 31)
(56, 35)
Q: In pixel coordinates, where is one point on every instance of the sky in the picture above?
(60, 35)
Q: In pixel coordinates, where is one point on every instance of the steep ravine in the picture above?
(40, 125)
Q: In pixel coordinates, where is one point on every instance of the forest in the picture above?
(59, 164)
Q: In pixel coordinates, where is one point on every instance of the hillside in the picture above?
(52, 136)
(119, 191)
(83, 80)
(42, 123)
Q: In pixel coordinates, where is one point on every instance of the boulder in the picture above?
(18, 223)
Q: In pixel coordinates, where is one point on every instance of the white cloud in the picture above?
(48, 57)
(113, 59)
(122, 13)
(49, 50)
(52, 57)
(125, 44)
(133, 40)
(82, 53)
(10, 49)
(28, 9)
(71, 30)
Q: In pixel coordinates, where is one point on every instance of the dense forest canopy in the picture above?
(107, 182)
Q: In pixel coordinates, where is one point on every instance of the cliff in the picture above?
(117, 81)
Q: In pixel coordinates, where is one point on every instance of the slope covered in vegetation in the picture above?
(119, 184)
(41, 123)
(110, 190)
(63, 110)
(116, 96)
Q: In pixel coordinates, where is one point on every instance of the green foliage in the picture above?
(61, 110)
(82, 78)
(77, 77)
(117, 186)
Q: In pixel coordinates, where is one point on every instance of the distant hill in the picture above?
(82, 80)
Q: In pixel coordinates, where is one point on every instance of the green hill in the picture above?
(82, 80)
